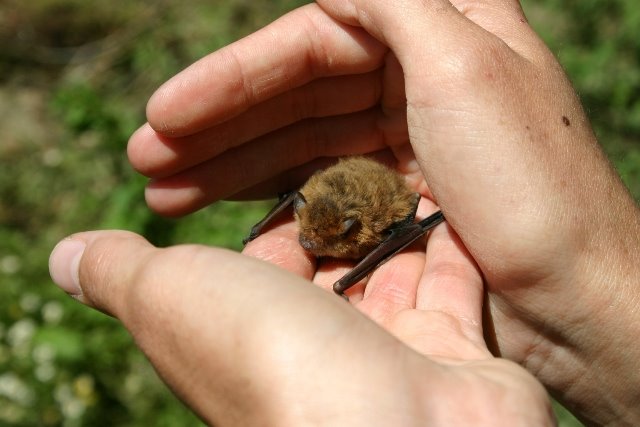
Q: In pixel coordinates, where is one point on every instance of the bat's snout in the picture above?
(307, 244)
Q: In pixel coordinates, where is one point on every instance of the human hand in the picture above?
(242, 342)
(344, 100)
(499, 136)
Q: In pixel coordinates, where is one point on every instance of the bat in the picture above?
(356, 209)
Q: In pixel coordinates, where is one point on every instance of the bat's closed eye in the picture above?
(347, 225)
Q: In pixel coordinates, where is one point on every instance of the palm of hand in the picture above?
(430, 298)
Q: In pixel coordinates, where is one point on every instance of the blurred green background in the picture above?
(74, 79)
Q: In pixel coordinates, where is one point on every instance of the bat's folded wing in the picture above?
(399, 239)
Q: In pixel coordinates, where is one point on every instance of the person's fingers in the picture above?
(448, 296)
(393, 286)
(245, 166)
(158, 156)
(295, 178)
(301, 46)
(452, 283)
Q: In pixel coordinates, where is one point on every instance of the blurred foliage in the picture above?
(74, 80)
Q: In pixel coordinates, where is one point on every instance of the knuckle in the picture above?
(481, 63)
(99, 270)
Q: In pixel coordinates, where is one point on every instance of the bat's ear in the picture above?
(299, 202)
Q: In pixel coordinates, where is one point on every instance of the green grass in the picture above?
(74, 80)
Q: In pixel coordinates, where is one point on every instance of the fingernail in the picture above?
(64, 264)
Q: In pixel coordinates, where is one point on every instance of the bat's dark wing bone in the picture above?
(285, 200)
(399, 239)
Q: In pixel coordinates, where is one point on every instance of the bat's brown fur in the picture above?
(347, 209)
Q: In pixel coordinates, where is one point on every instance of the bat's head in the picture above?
(329, 229)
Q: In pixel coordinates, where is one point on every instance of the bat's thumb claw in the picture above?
(252, 235)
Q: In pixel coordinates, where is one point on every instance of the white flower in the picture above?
(52, 312)
(13, 388)
(21, 332)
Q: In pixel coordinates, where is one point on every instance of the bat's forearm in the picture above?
(399, 239)
(285, 201)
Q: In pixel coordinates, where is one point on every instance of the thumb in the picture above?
(430, 29)
(95, 267)
(122, 274)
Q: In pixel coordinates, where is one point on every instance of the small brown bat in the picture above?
(357, 209)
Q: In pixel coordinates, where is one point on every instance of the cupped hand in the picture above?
(462, 96)
(243, 342)
(260, 115)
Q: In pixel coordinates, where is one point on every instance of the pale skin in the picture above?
(474, 110)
